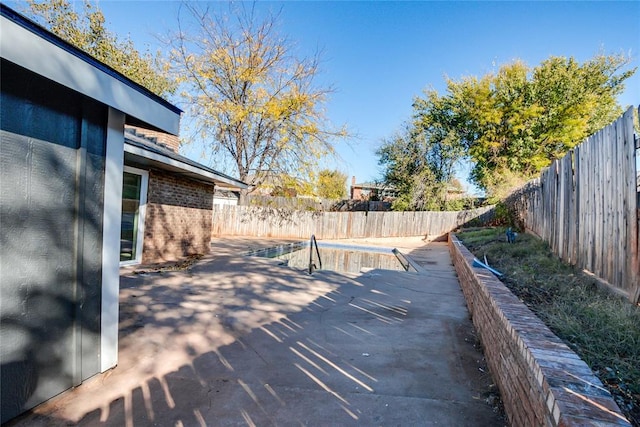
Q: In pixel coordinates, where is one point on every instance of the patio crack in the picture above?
(257, 354)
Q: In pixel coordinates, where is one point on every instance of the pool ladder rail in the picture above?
(312, 265)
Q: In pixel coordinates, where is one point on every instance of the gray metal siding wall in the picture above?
(52, 148)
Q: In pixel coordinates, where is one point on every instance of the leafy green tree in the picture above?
(509, 124)
(493, 118)
(436, 130)
(419, 161)
(404, 157)
(517, 121)
(251, 97)
(331, 184)
(86, 30)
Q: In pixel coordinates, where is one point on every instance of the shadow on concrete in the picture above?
(244, 341)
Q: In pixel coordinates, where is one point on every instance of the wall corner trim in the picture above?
(114, 168)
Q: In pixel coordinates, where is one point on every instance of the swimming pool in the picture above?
(337, 257)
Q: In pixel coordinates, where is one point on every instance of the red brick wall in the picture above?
(178, 218)
(171, 142)
(541, 380)
(356, 193)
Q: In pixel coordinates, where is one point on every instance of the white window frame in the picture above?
(142, 210)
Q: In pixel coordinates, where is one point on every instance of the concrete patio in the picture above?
(244, 341)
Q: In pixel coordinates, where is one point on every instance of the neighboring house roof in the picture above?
(144, 152)
(31, 46)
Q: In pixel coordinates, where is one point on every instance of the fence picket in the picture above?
(631, 211)
(585, 206)
(229, 220)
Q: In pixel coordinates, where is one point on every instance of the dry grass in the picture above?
(603, 329)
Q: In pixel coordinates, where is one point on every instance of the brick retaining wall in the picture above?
(178, 218)
(541, 380)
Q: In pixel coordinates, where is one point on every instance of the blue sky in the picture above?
(380, 55)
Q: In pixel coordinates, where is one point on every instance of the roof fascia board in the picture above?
(24, 47)
(137, 151)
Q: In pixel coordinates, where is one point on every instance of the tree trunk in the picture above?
(243, 197)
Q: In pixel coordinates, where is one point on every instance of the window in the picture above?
(134, 200)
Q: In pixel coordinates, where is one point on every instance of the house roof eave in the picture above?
(27, 44)
(140, 154)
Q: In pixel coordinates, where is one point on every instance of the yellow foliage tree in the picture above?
(331, 184)
(250, 97)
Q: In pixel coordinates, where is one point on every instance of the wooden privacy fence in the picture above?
(585, 206)
(265, 222)
(294, 203)
(312, 204)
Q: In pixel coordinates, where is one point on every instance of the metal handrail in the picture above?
(311, 264)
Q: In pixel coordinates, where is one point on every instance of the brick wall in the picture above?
(171, 142)
(356, 193)
(178, 218)
(541, 380)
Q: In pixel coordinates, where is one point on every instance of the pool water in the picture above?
(349, 259)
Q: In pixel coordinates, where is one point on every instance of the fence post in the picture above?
(634, 291)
